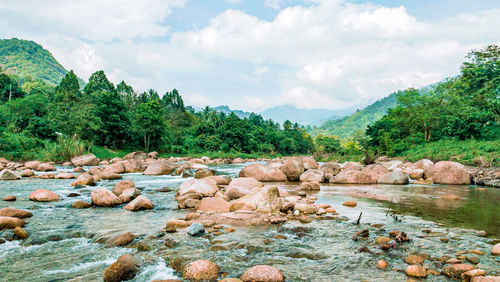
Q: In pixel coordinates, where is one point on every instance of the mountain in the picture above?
(345, 126)
(227, 110)
(27, 58)
(303, 116)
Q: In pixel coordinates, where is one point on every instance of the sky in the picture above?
(255, 54)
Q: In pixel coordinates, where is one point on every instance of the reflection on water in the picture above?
(64, 243)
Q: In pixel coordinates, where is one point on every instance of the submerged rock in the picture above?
(125, 268)
(7, 222)
(121, 240)
(456, 270)
(19, 232)
(416, 271)
(196, 229)
(201, 270)
(80, 205)
(15, 213)
(263, 273)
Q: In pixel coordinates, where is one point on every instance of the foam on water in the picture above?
(157, 271)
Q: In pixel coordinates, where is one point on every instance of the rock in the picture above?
(102, 197)
(305, 208)
(330, 169)
(160, 167)
(84, 179)
(85, 160)
(20, 233)
(264, 173)
(205, 188)
(116, 168)
(121, 240)
(353, 177)
(213, 205)
(8, 174)
(413, 259)
(473, 260)
(64, 175)
(496, 250)
(15, 213)
(304, 218)
(396, 177)
(7, 222)
(43, 195)
(139, 203)
(310, 163)
(129, 194)
(382, 264)
(45, 167)
(231, 280)
(80, 205)
(139, 155)
(423, 164)
(293, 168)
(196, 229)
(78, 169)
(125, 268)
(350, 204)
(313, 175)
(446, 172)
(415, 174)
(67, 164)
(486, 279)
(310, 185)
(153, 155)
(177, 223)
(263, 273)
(202, 173)
(416, 271)
(445, 240)
(107, 175)
(27, 173)
(456, 270)
(201, 270)
(10, 198)
(265, 200)
(122, 186)
(352, 166)
(382, 240)
(242, 186)
(32, 164)
(219, 180)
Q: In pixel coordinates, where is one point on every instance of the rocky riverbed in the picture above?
(408, 228)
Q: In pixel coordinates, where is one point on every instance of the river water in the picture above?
(66, 244)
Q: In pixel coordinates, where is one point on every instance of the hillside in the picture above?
(27, 58)
(227, 110)
(345, 126)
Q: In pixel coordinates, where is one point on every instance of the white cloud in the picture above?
(321, 54)
(275, 4)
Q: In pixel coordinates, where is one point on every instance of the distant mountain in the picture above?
(345, 126)
(303, 116)
(227, 110)
(27, 58)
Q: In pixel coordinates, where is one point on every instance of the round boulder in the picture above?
(43, 195)
(125, 268)
(201, 270)
(263, 273)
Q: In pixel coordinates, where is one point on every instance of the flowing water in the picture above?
(66, 244)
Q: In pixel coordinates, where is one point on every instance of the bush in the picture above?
(64, 149)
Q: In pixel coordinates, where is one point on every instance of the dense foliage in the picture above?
(118, 117)
(462, 108)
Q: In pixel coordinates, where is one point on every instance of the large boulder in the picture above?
(15, 213)
(263, 273)
(117, 168)
(264, 173)
(134, 165)
(203, 187)
(125, 268)
(129, 194)
(102, 197)
(32, 164)
(395, 177)
(45, 167)
(27, 173)
(352, 166)
(265, 200)
(202, 173)
(392, 165)
(310, 163)
(213, 205)
(496, 250)
(7, 222)
(423, 164)
(446, 172)
(353, 177)
(160, 167)
(84, 179)
(201, 270)
(110, 175)
(139, 203)
(242, 186)
(43, 195)
(219, 180)
(139, 155)
(330, 169)
(8, 174)
(456, 270)
(313, 175)
(293, 168)
(122, 186)
(121, 240)
(87, 160)
(64, 175)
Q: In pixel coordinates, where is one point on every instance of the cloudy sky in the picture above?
(253, 54)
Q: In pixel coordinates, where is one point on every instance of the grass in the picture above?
(64, 149)
(464, 152)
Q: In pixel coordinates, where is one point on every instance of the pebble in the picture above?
(304, 219)
(382, 264)
(445, 240)
(350, 204)
(10, 198)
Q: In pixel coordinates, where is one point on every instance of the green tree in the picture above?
(150, 118)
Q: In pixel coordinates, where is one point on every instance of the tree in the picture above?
(98, 82)
(9, 89)
(150, 118)
(115, 119)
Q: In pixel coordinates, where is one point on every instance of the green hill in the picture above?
(345, 126)
(27, 58)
